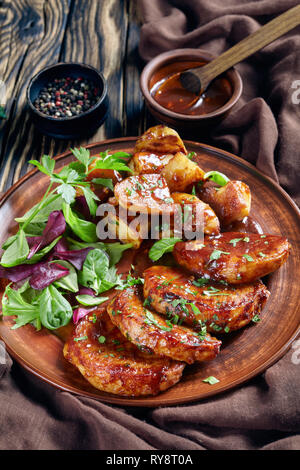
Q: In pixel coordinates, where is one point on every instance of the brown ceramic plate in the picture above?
(244, 354)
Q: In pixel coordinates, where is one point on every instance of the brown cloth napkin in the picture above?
(264, 127)
(264, 413)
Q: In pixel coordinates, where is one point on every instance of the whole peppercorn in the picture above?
(67, 97)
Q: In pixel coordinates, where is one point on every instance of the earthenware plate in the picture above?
(244, 354)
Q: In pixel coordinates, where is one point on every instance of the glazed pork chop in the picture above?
(184, 298)
(113, 364)
(232, 256)
(151, 331)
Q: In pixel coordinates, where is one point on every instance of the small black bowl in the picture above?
(71, 127)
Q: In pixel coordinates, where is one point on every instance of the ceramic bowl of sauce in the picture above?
(172, 104)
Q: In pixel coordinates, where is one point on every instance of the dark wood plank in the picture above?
(31, 34)
(35, 33)
(134, 115)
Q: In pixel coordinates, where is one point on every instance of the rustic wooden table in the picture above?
(37, 33)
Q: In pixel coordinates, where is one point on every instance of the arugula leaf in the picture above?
(217, 177)
(17, 252)
(94, 269)
(89, 300)
(55, 311)
(53, 202)
(14, 303)
(68, 282)
(90, 198)
(48, 163)
(111, 280)
(107, 182)
(67, 192)
(114, 250)
(165, 245)
(112, 162)
(83, 155)
(46, 169)
(85, 230)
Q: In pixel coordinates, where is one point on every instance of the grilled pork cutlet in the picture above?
(151, 331)
(233, 257)
(113, 364)
(192, 301)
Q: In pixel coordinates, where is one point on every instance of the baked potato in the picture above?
(198, 214)
(160, 139)
(231, 202)
(181, 173)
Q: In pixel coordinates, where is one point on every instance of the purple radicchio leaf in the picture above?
(81, 312)
(17, 273)
(82, 207)
(75, 257)
(86, 291)
(61, 245)
(55, 227)
(45, 274)
(40, 274)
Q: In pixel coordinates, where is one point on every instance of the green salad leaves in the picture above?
(56, 252)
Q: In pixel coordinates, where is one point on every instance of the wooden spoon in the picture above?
(197, 80)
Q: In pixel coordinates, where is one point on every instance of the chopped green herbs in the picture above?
(215, 255)
(248, 257)
(217, 177)
(150, 320)
(201, 281)
(190, 155)
(211, 380)
(81, 338)
(256, 319)
(234, 241)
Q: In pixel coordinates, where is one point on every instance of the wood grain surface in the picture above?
(37, 33)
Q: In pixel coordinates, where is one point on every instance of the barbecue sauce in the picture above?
(165, 87)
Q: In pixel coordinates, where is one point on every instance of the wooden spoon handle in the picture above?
(256, 41)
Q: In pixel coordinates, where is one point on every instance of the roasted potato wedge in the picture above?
(233, 257)
(198, 214)
(181, 173)
(114, 364)
(160, 140)
(128, 230)
(231, 202)
(186, 299)
(146, 162)
(151, 331)
(144, 194)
